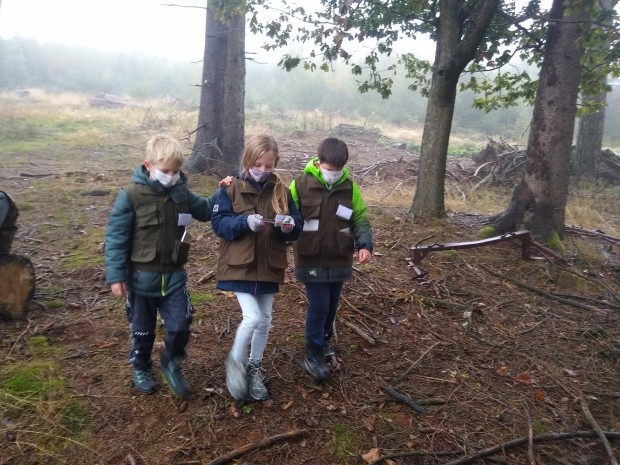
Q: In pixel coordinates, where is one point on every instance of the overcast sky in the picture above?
(116, 25)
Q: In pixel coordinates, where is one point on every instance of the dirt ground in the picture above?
(490, 347)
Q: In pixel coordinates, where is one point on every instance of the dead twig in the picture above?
(361, 333)
(520, 441)
(595, 426)
(365, 315)
(530, 439)
(405, 400)
(414, 364)
(539, 291)
(267, 442)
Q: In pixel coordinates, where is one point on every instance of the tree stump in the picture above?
(17, 284)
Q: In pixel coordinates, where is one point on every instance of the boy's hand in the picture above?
(119, 289)
(288, 223)
(364, 255)
(225, 182)
(255, 222)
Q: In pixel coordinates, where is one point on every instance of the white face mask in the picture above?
(259, 175)
(331, 177)
(166, 180)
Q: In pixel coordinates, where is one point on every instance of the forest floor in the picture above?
(493, 347)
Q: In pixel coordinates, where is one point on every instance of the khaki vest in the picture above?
(255, 256)
(333, 243)
(156, 242)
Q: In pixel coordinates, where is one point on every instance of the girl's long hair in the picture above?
(254, 148)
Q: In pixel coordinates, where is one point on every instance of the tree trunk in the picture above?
(590, 138)
(459, 36)
(539, 200)
(429, 194)
(221, 118)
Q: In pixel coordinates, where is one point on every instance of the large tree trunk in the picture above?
(539, 200)
(221, 119)
(590, 138)
(459, 36)
(429, 194)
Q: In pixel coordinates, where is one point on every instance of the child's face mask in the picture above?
(168, 173)
(166, 180)
(259, 175)
(331, 177)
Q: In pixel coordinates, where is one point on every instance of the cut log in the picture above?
(17, 286)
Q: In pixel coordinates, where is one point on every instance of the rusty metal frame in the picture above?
(418, 252)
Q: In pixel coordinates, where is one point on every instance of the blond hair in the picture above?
(163, 149)
(254, 148)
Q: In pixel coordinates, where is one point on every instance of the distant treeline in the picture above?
(27, 63)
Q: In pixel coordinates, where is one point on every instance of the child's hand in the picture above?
(364, 255)
(119, 289)
(255, 222)
(225, 182)
(288, 223)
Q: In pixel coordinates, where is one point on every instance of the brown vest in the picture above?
(255, 256)
(333, 244)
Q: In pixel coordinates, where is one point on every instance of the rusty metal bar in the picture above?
(419, 252)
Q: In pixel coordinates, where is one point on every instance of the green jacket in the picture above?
(335, 224)
(142, 243)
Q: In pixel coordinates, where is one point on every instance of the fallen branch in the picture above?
(538, 291)
(587, 232)
(267, 442)
(530, 438)
(405, 400)
(498, 448)
(595, 426)
(520, 441)
(365, 315)
(361, 333)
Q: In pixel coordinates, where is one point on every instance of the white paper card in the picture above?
(344, 212)
(185, 219)
(311, 225)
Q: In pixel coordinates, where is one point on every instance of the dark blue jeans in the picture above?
(176, 312)
(323, 300)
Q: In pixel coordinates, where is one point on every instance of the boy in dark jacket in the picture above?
(146, 248)
(335, 225)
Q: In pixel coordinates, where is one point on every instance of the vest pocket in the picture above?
(346, 244)
(308, 243)
(311, 210)
(143, 251)
(277, 257)
(180, 252)
(146, 215)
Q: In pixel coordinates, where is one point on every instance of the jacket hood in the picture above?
(179, 192)
(312, 169)
(142, 176)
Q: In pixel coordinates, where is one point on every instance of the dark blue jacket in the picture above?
(230, 226)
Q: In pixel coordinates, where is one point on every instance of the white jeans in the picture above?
(253, 330)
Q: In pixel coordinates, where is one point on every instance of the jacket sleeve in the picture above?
(224, 221)
(118, 237)
(361, 225)
(202, 207)
(294, 194)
